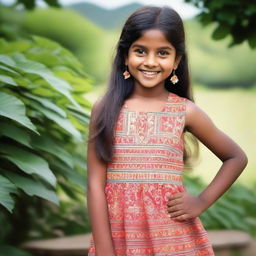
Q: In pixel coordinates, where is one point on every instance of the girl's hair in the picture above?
(150, 17)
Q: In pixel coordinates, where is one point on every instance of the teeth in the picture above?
(150, 72)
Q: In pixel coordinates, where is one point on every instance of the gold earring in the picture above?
(174, 79)
(126, 74)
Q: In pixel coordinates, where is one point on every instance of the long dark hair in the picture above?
(150, 17)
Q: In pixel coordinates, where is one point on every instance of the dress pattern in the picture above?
(145, 171)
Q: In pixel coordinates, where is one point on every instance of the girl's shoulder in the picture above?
(190, 106)
(195, 115)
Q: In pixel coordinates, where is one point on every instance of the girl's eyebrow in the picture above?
(160, 48)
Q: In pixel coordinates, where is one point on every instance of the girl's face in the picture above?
(151, 59)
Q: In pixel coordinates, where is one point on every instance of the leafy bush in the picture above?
(42, 137)
(87, 41)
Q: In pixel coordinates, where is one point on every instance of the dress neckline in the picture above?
(125, 107)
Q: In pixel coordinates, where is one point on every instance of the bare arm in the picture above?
(183, 206)
(96, 200)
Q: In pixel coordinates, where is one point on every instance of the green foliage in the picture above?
(9, 250)
(87, 41)
(232, 17)
(234, 210)
(226, 67)
(43, 123)
(31, 4)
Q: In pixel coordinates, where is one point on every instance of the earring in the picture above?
(126, 74)
(174, 79)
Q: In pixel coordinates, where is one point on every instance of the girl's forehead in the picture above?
(153, 37)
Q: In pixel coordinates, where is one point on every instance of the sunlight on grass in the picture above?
(233, 112)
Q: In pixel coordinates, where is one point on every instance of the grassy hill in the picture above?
(232, 111)
(108, 19)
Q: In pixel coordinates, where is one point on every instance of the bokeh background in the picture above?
(55, 61)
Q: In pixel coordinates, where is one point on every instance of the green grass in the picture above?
(233, 112)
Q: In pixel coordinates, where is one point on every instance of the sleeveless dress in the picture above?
(145, 171)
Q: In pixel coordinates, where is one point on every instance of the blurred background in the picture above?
(55, 59)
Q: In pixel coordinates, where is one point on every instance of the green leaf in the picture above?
(47, 103)
(13, 108)
(238, 209)
(8, 69)
(68, 190)
(66, 59)
(7, 61)
(205, 18)
(227, 16)
(28, 162)
(71, 175)
(83, 116)
(48, 145)
(7, 80)
(32, 187)
(12, 251)
(12, 131)
(53, 3)
(31, 4)
(250, 10)
(217, 4)
(6, 188)
(41, 70)
(218, 217)
(220, 32)
(62, 122)
(252, 41)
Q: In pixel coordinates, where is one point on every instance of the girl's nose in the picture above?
(150, 60)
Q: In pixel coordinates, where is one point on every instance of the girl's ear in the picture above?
(125, 60)
(177, 61)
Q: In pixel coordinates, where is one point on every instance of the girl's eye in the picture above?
(162, 53)
(140, 51)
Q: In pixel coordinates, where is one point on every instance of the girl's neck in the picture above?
(158, 93)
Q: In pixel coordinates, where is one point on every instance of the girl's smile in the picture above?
(151, 59)
(149, 74)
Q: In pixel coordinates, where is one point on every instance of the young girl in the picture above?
(137, 203)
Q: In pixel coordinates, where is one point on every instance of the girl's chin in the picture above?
(149, 84)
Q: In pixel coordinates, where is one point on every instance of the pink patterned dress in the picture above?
(146, 170)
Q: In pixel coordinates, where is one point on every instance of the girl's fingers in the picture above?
(174, 208)
(176, 195)
(176, 214)
(173, 202)
(182, 217)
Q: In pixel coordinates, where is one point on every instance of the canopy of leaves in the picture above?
(233, 17)
(31, 4)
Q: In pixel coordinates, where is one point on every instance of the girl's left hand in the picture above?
(183, 206)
